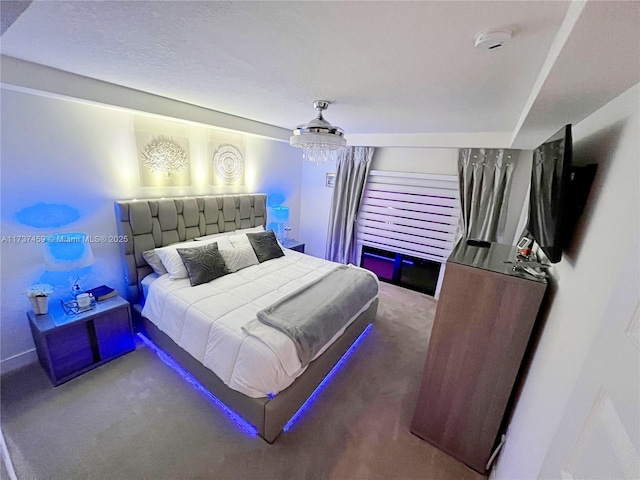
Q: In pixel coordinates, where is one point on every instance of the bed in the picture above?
(267, 395)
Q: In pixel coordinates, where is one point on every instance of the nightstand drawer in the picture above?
(113, 333)
(71, 349)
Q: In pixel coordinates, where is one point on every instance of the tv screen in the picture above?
(550, 183)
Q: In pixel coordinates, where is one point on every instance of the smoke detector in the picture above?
(492, 39)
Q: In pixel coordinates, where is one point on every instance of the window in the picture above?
(412, 215)
(411, 272)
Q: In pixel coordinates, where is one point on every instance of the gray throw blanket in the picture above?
(312, 315)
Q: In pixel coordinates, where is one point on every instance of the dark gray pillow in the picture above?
(265, 245)
(203, 264)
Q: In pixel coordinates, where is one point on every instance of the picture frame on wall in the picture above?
(331, 180)
(157, 156)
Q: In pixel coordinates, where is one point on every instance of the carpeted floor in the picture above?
(136, 418)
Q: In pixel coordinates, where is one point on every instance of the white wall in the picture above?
(316, 198)
(440, 161)
(63, 152)
(590, 283)
(315, 204)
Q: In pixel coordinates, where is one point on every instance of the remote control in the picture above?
(478, 243)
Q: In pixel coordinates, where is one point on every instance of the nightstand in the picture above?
(69, 345)
(292, 244)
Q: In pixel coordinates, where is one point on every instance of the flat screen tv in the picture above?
(549, 194)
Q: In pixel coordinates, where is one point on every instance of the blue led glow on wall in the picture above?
(47, 215)
(337, 366)
(275, 199)
(244, 425)
(63, 280)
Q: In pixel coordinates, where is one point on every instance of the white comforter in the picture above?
(207, 321)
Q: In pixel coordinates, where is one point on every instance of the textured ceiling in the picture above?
(388, 68)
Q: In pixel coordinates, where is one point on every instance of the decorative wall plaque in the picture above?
(228, 164)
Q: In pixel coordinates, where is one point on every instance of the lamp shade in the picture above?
(280, 212)
(67, 251)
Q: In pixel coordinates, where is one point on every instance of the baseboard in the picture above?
(6, 457)
(18, 361)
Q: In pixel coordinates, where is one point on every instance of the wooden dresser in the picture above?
(483, 322)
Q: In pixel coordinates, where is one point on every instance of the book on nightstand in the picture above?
(102, 293)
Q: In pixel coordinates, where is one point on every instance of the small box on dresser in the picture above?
(69, 345)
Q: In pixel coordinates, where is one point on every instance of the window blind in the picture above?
(410, 213)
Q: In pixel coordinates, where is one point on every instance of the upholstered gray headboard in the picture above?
(152, 223)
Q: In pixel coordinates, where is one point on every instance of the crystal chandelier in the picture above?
(318, 139)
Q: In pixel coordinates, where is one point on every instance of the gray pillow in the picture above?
(153, 260)
(203, 264)
(265, 245)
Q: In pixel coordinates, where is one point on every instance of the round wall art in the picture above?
(228, 164)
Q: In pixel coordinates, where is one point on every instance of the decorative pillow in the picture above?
(241, 255)
(172, 260)
(153, 260)
(203, 263)
(265, 245)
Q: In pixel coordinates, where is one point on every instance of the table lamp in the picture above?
(281, 217)
(66, 252)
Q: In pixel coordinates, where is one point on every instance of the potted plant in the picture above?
(38, 296)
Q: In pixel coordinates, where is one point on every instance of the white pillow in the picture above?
(240, 255)
(153, 260)
(173, 262)
(213, 236)
(239, 239)
(259, 228)
(256, 229)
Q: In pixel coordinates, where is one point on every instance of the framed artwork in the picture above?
(163, 161)
(226, 159)
(228, 166)
(331, 180)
